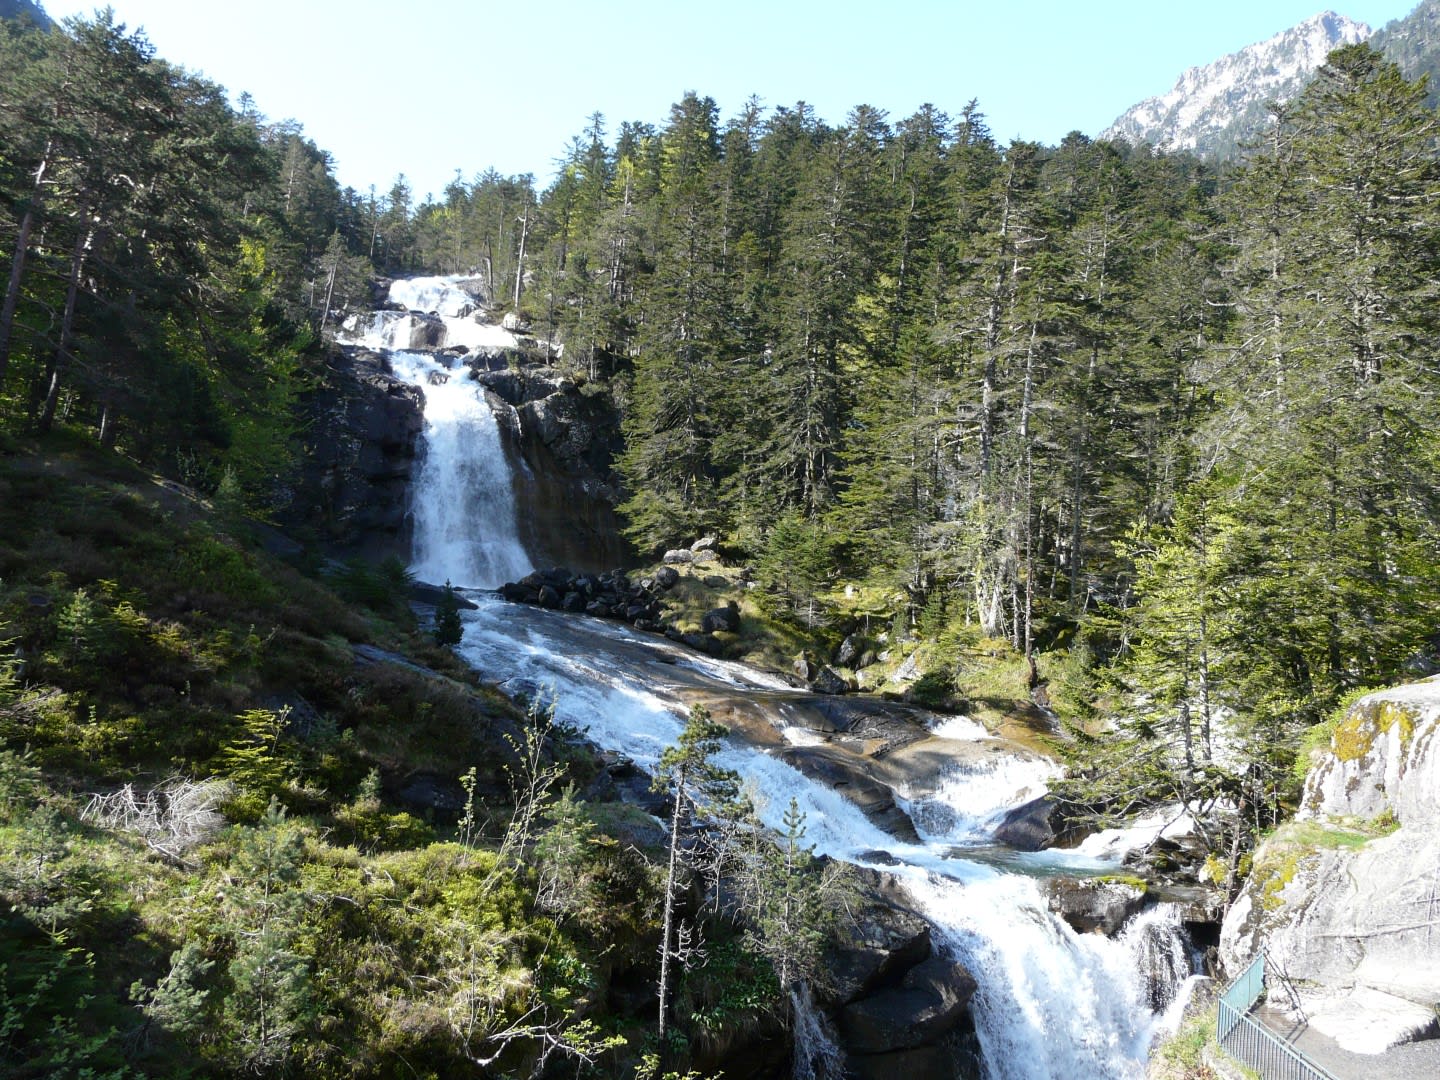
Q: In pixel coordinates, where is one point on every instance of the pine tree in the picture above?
(448, 628)
(689, 774)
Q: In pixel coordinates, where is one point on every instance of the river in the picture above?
(1051, 1003)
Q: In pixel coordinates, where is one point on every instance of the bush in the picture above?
(448, 629)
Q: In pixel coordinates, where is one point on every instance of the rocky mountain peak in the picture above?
(1211, 107)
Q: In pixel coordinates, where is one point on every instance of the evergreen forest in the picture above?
(1149, 442)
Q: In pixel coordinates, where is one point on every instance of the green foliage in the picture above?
(448, 629)
(211, 564)
(177, 1004)
(795, 563)
(382, 587)
(254, 762)
(46, 992)
(933, 690)
(562, 858)
(787, 908)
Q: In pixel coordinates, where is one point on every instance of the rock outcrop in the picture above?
(566, 442)
(611, 595)
(903, 1009)
(361, 432)
(1093, 906)
(1350, 912)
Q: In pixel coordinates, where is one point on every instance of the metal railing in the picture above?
(1246, 1039)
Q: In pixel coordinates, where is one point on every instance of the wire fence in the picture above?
(1247, 1040)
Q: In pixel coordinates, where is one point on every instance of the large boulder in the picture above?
(1091, 905)
(931, 999)
(829, 681)
(722, 620)
(1338, 904)
(1382, 759)
(883, 938)
(1032, 826)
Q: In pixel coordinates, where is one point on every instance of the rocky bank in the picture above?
(1345, 900)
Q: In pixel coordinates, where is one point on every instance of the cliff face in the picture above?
(1345, 900)
(362, 427)
(563, 443)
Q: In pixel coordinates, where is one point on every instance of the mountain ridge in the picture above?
(20, 9)
(1212, 107)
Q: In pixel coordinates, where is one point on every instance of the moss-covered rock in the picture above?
(1336, 897)
(1384, 755)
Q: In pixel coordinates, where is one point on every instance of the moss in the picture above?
(1181, 1056)
(766, 639)
(1293, 845)
(1355, 736)
(1128, 880)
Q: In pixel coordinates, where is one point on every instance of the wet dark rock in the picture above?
(848, 775)
(567, 442)
(930, 1001)
(666, 577)
(1093, 906)
(573, 601)
(1032, 826)
(430, 792)
(882, 938)
(549, 597)
(424, 593)
(949, 1059)
(362, 427)
(829, 681)
(518, 593)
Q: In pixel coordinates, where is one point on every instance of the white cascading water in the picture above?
(1051, 1003)
(972, 797)
(465, 529)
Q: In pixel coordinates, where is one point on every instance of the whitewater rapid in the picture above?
(1051, 1003)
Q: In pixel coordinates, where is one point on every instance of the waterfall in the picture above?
(463, 504)
(972, 797)
(816, 1055)
(1051, 1003)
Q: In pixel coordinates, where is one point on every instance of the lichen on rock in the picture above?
(1343, 904)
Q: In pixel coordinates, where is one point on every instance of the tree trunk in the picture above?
(12, 290)
(17, 265)
(520, 258)
(83, 241)
(668, 924)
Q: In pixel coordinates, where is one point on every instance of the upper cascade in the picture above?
(434, 313)
(453, 297)
(1210, 108)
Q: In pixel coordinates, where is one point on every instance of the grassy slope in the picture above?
(320, 927)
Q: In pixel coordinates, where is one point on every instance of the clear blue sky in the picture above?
(429, 86)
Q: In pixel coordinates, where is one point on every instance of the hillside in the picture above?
(24, 9)
(1414, 44)
(248, 825)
